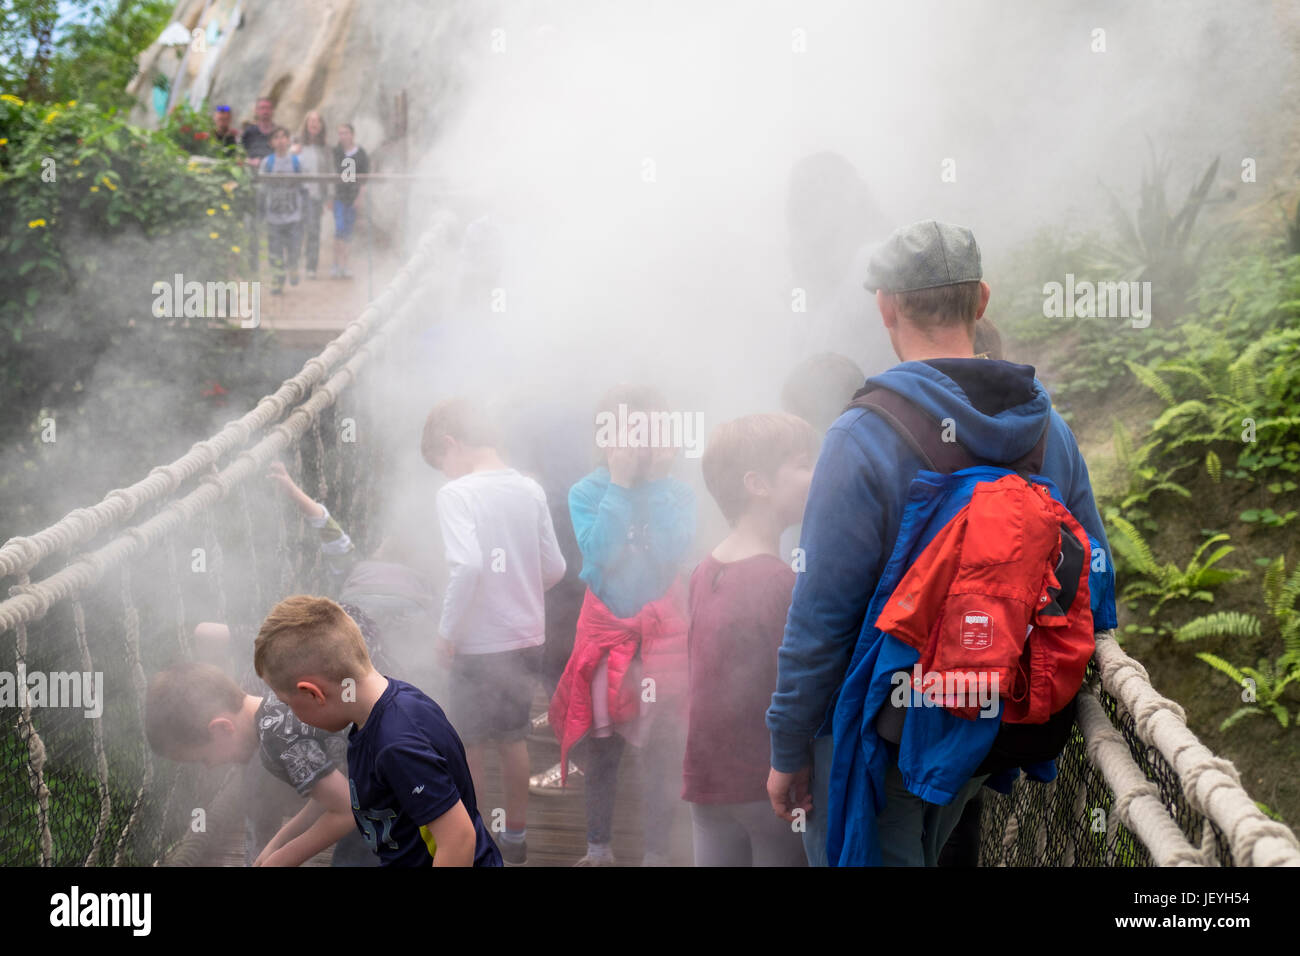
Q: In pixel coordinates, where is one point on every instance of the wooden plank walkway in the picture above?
(315, 311)
(556, 824)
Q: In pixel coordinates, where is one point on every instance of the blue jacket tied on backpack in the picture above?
(869, 514)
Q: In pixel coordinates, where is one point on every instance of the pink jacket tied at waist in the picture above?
(657, 633)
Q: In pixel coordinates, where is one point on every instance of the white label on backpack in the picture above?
(976, 630)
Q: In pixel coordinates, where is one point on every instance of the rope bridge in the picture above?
(199, 539)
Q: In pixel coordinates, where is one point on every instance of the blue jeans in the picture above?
(345, 219)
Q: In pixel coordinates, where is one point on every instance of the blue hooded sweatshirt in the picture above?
(633, 540)
(859, 491)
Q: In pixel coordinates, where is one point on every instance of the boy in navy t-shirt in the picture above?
(412, 796)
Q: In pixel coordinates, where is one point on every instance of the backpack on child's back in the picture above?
(285, 202)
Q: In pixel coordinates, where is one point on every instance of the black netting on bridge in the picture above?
(1071, 820)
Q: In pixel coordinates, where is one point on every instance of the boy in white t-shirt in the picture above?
(502, 556)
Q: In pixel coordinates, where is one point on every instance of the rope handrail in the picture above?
(1137, 800)
(20, 554)
(1210, 783)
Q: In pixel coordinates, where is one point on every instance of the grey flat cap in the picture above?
(924, 255)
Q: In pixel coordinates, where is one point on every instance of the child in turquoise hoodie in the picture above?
(634, 525)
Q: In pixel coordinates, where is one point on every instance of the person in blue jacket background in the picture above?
(930, 291)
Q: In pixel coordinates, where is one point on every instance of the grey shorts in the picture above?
(491, 695)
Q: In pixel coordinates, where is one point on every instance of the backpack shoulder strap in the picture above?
(297, 167)
(924, 434)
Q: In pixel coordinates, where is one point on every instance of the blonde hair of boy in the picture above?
(307, 636)
(180, 703)
(760, 443)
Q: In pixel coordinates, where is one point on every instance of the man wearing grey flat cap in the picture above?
(888, 786)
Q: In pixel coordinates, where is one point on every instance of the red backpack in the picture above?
(1000, 591)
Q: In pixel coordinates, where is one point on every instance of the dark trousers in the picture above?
(283, 243)
(311, 234)
(963, 846)
(661, 782)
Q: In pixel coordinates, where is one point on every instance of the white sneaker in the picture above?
(547, 783)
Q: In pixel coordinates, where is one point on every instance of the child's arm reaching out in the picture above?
(340, 554)
(325, 820)
(309, 507)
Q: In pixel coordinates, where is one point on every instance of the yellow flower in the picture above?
(72, 103)
(212, 212)
(213, 235)
(226, 206)
(76, 162)
(234, 248)
(108, 183)
(94, 189)
(3, 141)
(36, 224)
(51, 115)
(10, 98)
(228, 187)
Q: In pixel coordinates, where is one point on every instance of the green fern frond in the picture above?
(1136, 548)
(1291, 677)
(1285, 423)
(1123, 447)
(1265, 809)
(1223, 667)
(1169, 415)
(1146, 493)
(1280, 713)
(1138, 589)
(1151, 380)
(1291, 641)
(1242, 377)
(1213, 577)
(1219, 624)
(1240, 713)
(1195, 565)
(1213, 467)
(1196, 438)
(1289, 593)
(1180, 368)
(1274, 581)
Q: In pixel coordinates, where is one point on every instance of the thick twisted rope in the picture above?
(35, 748)
(131, 636)
(97, 740)
(1211, 784)
(1137, 800)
